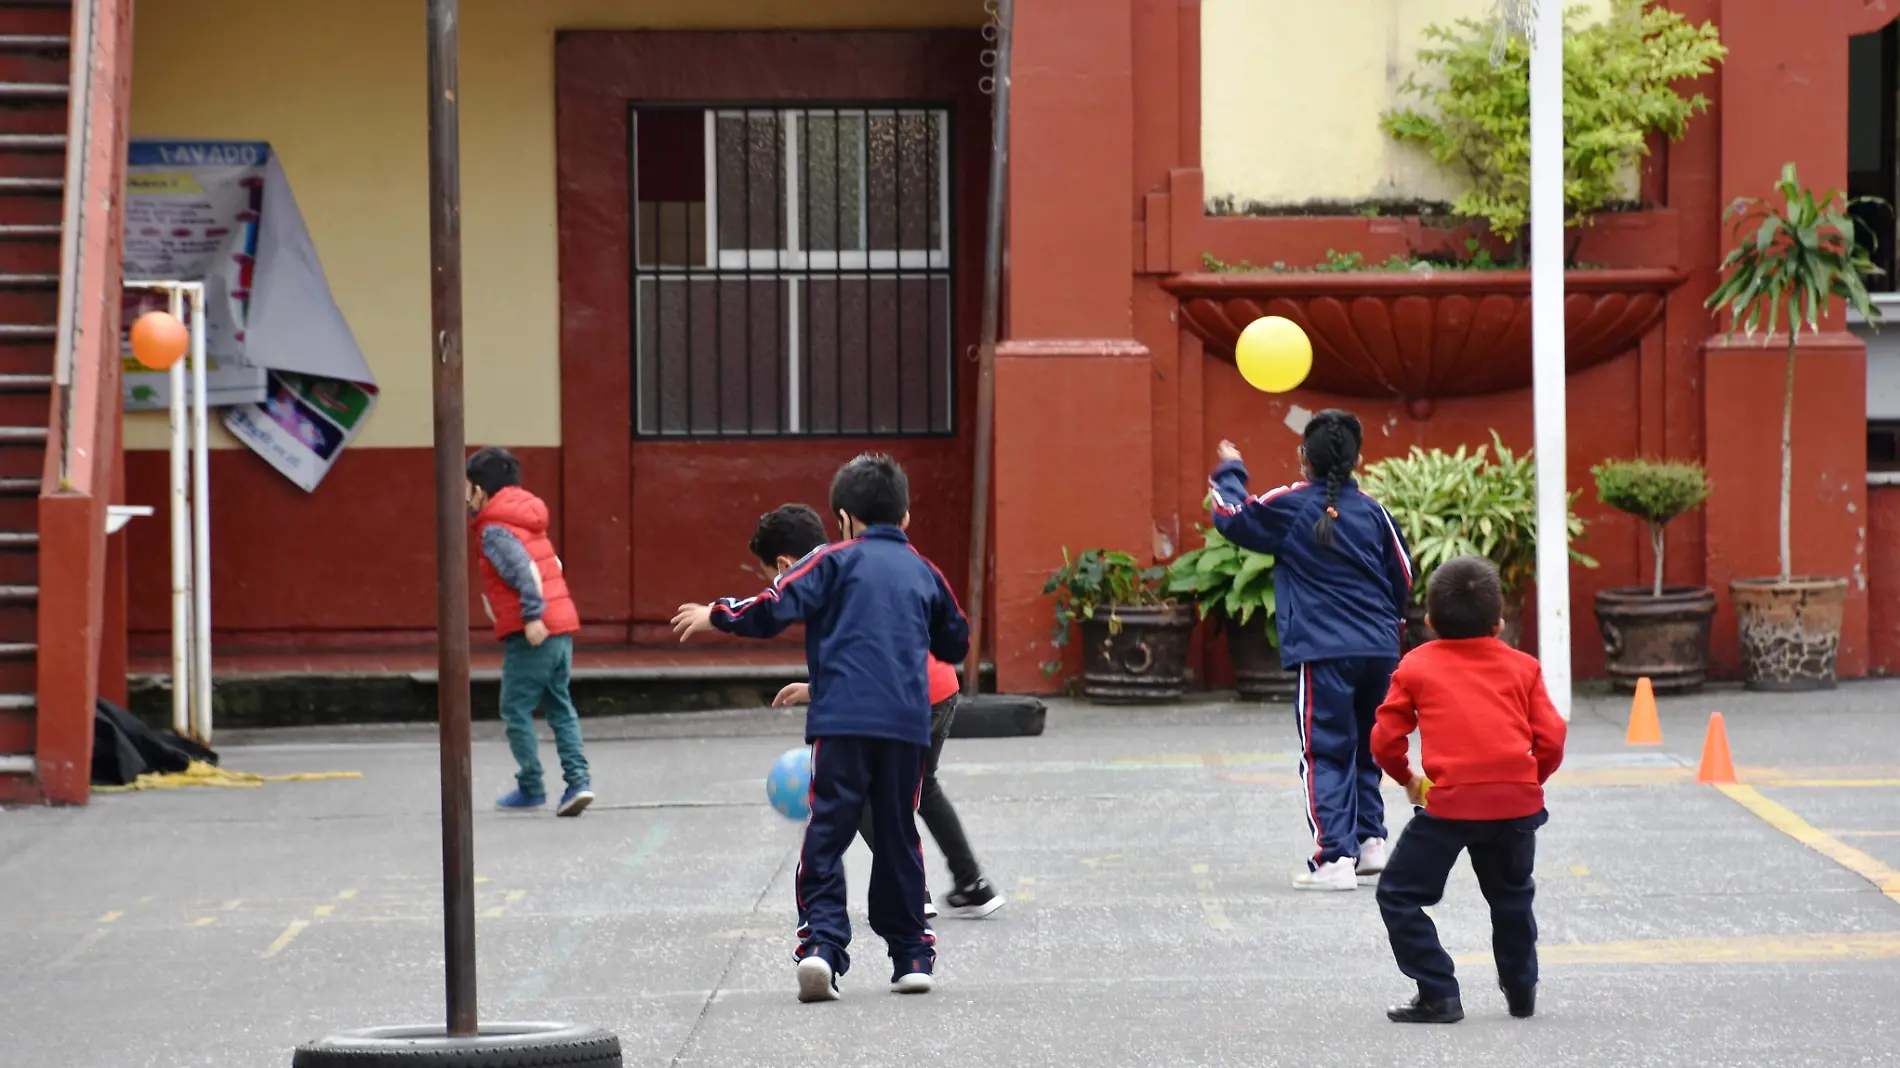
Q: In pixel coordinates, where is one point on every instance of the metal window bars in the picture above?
(792, 272)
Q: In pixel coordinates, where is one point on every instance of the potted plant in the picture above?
(1466, 503)
(1790, 261)
(1233, 588)
(1656, 632)
(1435, 330)
(1134, 632)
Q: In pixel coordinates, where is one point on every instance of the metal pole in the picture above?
(200, 525)
(986, 349)
(1547, 339)
(181, 543)
(451, 534)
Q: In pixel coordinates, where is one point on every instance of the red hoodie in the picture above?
(1489, 737)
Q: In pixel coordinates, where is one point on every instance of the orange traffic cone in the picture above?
(1717, 765)
(1645, 728)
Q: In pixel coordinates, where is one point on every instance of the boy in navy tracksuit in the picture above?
(1341, 581)
(874, 610)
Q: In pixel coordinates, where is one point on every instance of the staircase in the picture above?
(35, 75)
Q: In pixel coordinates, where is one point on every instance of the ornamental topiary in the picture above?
(1618, 88)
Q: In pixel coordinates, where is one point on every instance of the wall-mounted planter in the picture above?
(1422, 336)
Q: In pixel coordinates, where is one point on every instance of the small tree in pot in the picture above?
(1656, 632)
(1790, 261)
(1233, 587)
(1134, 632)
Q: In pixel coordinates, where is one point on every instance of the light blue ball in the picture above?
(788, 787)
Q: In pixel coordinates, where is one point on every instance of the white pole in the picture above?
(181, 545)
(200, 524)
(1547, 340)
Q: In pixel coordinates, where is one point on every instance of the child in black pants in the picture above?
(874, 611)
(785, 535)
(1489, 739)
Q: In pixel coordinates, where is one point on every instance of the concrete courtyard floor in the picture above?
(1146, 853)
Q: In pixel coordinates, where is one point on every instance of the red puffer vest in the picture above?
(526, 516)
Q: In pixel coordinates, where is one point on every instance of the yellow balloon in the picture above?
(1274, 354)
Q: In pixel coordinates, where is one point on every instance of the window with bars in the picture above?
(792, 272)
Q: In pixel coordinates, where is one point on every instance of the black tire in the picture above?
(501, 1045)
(993, 715)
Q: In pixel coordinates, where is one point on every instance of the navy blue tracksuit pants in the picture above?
(852, 777)
(1503, 852)
(1336, 703)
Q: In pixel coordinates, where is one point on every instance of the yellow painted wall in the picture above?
(338, 88)
(1292, 90)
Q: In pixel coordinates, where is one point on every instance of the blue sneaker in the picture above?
(575, 800)
(914, 975)
(515, 799)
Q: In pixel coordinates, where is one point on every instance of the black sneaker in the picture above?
(1522, 1000)
(914, 975)
(1421, 1010)
(975, 901)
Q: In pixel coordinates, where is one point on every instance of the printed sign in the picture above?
(281, 360)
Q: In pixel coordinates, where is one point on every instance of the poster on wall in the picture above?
(282, 362)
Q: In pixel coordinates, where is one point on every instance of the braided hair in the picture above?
(1332, 445)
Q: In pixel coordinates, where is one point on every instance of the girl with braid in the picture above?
(1341, 581)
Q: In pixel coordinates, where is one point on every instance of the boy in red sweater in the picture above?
(1488, 739)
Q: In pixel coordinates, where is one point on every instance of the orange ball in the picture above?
(159, 340)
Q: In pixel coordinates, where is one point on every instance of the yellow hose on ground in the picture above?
(202, 774)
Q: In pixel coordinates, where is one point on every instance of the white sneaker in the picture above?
(1332, 875)
(1372, 854)
(815, 980)
(930, 908)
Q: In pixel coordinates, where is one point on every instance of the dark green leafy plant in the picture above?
(1791, 261)
(1618, 88)
(1227, 583)
(1466, 503)
(1654, 491)
(1095, 580)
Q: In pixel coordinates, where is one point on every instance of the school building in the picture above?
(713, 249)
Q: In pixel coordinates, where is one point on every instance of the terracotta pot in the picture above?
(1790, 631)
(1257, 671)
(1663, 639)
(1424, 335)
(1417, 633)
(1136, 655)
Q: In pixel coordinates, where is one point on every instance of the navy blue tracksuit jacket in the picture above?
(873, 608)
(1340, 609)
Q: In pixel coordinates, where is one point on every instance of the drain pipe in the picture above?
(999, 32)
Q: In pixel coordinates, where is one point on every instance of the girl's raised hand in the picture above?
(1227, 452)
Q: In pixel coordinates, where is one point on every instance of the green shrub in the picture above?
(1226, 581)
(1654, 492)
(1100, 579)
(1618, 88)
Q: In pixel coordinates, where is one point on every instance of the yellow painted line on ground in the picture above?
(1782, 819)
(204, 921)
(111, 916)
(284, 940)
(1581, 871)
(346, 895)
(322, 911)
(1211, 910)
(494, 911)
(1865, 834)
(231, 905)
(1025, 889)
(1746, 949)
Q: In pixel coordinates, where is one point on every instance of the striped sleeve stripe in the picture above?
(1224, 507)
(735, 607)
(1398, 545)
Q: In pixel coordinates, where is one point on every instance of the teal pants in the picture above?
(534, 678)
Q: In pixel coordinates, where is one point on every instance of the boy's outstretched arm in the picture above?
(1250, 522)
(1547, 730)
(791, 598)
(1397, 719)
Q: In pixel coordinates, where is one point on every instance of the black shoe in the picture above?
(973, 902)
(1420, 1010)
(1523, 1001)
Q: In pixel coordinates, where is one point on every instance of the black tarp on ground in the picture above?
(123, 748)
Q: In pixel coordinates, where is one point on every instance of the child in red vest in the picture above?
(1489, 738)
(526, 597)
